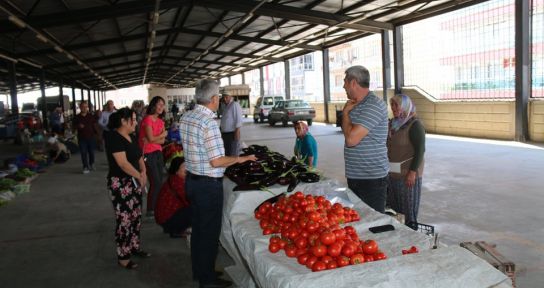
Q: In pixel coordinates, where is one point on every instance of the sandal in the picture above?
(129, 266)
(141, 254)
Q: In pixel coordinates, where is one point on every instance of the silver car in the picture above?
(291, 111)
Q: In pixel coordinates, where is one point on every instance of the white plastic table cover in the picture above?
(255, 266)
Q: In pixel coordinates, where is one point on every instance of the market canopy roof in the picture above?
(111, 44)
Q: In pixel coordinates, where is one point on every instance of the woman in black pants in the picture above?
(151, 136)
(126, 176)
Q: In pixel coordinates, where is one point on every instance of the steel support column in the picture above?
(82, 97)
(230, 81)
(243, 78)
(287, 79)
(13, 88)
(89, 96)
(386, 64)
(45, 119)
(399, 59)
(74, 105)
(61, 94)
(261, 80)
(326, 83)
(94, 100)
(523, 68)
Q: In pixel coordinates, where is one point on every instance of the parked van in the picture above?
(263, 106)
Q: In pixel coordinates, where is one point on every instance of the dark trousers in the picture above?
(154, 165)
(86, 147)
(180, 221)
(231, 145)
(372, 191)
(206, 197)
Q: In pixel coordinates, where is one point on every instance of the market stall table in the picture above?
(254, 265)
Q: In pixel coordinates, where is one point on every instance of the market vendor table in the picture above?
(254, 265)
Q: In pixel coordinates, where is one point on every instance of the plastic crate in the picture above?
(423, 228)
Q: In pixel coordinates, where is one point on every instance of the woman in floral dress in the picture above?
(126, 176)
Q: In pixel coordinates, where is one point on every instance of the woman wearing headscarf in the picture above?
(151, 136)
(126, 176)
(406, 148)
(305, 144)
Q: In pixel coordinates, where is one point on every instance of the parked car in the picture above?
(263, 106)
(291, 111)
(29, 108)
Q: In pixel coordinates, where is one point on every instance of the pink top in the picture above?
(157, 126)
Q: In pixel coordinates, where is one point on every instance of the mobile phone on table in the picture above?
(382, 228)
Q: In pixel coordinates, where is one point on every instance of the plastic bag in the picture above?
(331, 190)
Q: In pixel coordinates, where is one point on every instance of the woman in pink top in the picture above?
(151, 137)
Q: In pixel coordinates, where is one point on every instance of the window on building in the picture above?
(468, 46)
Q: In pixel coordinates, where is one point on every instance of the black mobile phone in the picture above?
(382, 228)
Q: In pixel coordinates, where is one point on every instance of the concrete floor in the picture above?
(61, 233)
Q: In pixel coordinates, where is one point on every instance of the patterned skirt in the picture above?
(127, 204)
(403, 199)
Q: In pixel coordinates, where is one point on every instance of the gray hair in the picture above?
(360, 74)
(205, 89)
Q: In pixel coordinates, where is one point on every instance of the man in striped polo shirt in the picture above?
(205, 163)
(364, 123)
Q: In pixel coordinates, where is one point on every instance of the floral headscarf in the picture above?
(407, 111)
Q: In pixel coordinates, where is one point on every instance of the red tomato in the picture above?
(291, 251)
(326, 259)
(301, 251)
(350, 230)
(275, 239)
(340, 234)
(342, 261)
(369, 258)
(301, 242)
(310, 262)
(327, 238)
(301, 259)
(299, 195)
(263, 209)
(314, 216)
(319, 266)
(357, 259)
(332, 265)
(334, 249)
(274, 248)
(349, 249)
(379, 256)
(413, 249)
(319, 250)
(370, 247)
(267, 231)
(258, 215)
(282, 243)
(312, 227)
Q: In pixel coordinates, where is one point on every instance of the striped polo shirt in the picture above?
(201, 141)
(368, 159)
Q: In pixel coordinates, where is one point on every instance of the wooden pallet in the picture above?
(489, 253)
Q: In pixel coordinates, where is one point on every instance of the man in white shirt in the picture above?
(231, 122)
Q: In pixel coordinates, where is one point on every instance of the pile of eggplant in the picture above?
(270, 168)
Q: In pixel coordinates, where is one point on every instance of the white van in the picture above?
(263, 106)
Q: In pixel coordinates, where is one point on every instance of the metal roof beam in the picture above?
(139, 7)
(115, 40)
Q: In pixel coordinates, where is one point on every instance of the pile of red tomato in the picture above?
(308, 227)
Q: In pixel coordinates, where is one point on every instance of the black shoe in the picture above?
(217, 274)
(218, 283)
